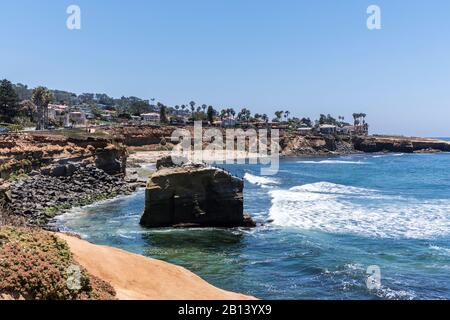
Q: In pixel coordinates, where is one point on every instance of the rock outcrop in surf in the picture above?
(194, 195)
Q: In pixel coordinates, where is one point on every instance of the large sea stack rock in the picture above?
(194, 196)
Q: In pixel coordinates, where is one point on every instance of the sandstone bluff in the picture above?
(194, 195)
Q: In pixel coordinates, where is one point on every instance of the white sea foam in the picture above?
(332, 188)
(123, 234)
(391, 294)
(338, 208)
(333, 162)
(260, 181)
(444, 251)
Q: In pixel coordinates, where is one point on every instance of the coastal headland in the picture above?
(45, 173)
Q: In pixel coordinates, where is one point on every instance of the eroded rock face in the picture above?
(292, 144)
(194, 196)
(399, 144)
(142, 135)
(28, 152)
(43, 195)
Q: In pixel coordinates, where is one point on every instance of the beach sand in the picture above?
(217, 156)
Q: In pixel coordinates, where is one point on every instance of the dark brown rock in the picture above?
(399, 144)
(194, 196)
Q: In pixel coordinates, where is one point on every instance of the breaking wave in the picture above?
(260, 181)
(333, 162)
(338, 208)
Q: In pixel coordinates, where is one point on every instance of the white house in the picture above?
(328, 129)
(152, 118)
(58, 113)
(77, 118)
(348, 130)
(136, 119)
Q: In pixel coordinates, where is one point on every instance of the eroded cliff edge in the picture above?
(44, 174)
(292, 143)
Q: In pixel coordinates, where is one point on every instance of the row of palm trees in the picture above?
(243, 115)
(359, 120)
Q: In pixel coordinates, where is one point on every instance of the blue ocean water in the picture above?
(332, 219)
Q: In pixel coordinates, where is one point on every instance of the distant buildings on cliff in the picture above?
(62, 115)
(77, 116)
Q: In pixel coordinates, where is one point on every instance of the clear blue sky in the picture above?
(310, 57)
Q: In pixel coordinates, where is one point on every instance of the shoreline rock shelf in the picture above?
(194, 195)
(42, 195)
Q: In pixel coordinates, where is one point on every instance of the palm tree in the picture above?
(152, 105)
(233, 112)
(365, 126)
(192, 104)
(265, 118)
(223, 114)
(41, 98)
(360, 122)
(244, 115)
(210, 114)
(355, 119)
(278, 115)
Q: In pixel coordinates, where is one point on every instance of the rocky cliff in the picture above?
(144, 135)
(293, 143)
(27, 152)
(399, 144)
(44, 174)
(194, 196)
(41, 196)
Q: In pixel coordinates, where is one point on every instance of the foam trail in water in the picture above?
(338, 208)
(260, 181)
(333, 162)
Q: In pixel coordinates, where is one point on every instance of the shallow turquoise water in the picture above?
(332, 219)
